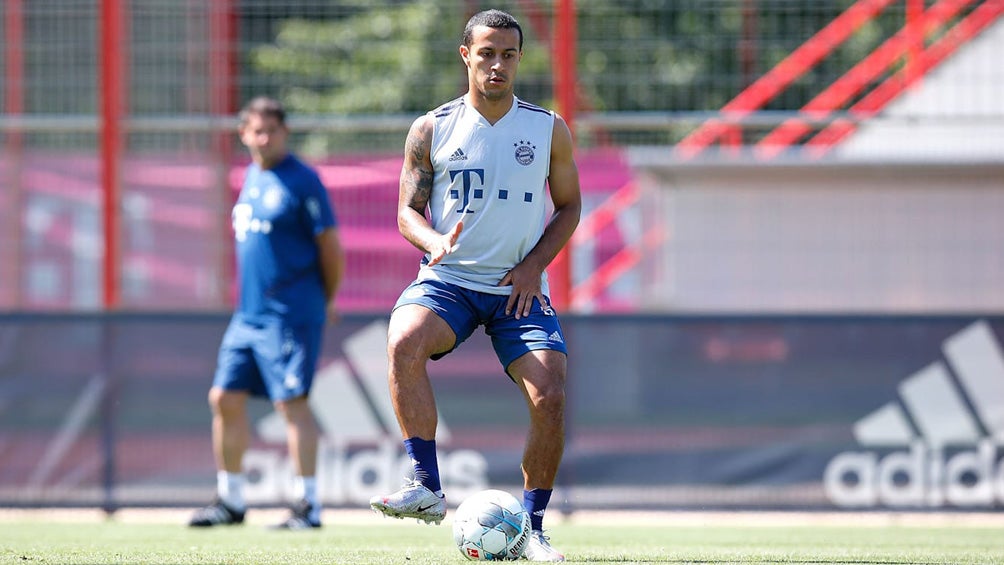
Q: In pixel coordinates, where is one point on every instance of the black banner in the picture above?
(663, 412)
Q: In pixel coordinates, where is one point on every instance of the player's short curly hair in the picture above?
(496, 19)
(265, 107)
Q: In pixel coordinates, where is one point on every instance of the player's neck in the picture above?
(271, 162)
(491, 110)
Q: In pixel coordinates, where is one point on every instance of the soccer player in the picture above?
(290, 264)
(483, 165)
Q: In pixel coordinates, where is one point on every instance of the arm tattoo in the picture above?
(419, 179)
(416, 146)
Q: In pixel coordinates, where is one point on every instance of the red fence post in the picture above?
(563, 45)
(112, 47)
(223, 103)
(13, 96)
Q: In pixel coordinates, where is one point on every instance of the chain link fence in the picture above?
(354, 75)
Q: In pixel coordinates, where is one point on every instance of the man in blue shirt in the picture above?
(290, 264)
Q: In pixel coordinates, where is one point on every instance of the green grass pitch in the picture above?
(34, 540)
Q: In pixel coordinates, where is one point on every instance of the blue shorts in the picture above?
(464, 310)
(269, 359)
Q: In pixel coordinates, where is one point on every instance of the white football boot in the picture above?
(539, 549)
(412, 501)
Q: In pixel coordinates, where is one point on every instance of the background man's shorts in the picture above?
(268, 359)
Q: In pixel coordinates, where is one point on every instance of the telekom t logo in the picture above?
(468, 178)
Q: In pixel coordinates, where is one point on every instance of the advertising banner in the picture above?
(757, 412)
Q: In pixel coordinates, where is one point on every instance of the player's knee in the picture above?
(549, 401)
(290, 407)
(294, 409)
(406, 347)
(225, 403)
(214, 398)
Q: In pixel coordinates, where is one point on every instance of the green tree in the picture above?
(373, 61)
(400, 57)
(389, 58)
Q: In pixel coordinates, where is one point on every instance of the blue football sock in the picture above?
(423, 457)
(535, 501)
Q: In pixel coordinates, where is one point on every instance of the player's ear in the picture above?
(465, 54)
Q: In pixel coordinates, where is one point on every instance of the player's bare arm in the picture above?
(563, 183)
(331, 256)
(414, 193)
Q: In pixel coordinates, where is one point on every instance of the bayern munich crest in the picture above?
(524, 152)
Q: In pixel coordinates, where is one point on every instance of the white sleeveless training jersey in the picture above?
(493, 177)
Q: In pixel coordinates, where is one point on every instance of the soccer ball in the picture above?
(492, 525)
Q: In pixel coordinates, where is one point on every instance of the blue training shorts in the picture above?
(464, 310)
(269, 359)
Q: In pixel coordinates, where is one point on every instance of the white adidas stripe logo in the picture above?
(936, 404)
(939, 430)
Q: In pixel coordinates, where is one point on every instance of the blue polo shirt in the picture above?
(278, 214)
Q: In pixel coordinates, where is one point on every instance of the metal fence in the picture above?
(356, 73)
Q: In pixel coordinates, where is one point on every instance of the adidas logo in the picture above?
(556, 337)
(360, 452)
(458, 155)
(938, 443)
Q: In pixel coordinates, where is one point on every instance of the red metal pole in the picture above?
(861, 75)
(563, 63)
(111, 48)
(14, 58)
(14, 106)
(979, 19)
(14, 64)
(222, 102)
(784, 73)
(915, 30)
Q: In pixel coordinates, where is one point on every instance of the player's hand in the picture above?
(445, 244)
(525, 283)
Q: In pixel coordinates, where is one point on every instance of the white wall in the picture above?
(824, 238)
